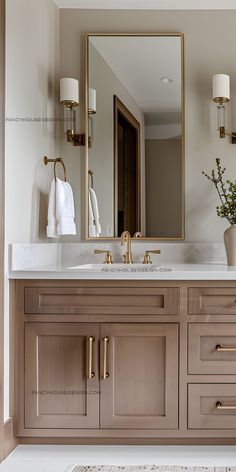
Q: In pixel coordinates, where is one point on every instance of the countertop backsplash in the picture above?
(23, 256)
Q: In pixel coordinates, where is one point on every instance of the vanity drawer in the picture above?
(203, 412)
(212, 348)
(105, 300)
(212, 301)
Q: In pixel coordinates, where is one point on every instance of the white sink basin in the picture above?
(116, 267)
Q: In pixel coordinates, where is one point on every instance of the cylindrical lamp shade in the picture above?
(69, 92)
(221, 88)
(92, 101)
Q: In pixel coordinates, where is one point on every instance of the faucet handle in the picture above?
(147, 259)
(108, 257)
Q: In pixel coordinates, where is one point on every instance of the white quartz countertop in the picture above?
(207, 271)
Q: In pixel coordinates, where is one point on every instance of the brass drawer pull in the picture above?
(221, 348)
(105, 374)
(91, 340)
(219, 406)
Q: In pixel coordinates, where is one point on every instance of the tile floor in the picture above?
(64, 458)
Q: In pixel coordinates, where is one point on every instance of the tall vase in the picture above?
(230, 244)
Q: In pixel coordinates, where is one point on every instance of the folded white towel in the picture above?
(61, 212)
(52, 221)
(65, 211)
(94, 205)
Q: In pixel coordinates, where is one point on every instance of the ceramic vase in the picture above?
(230, 244)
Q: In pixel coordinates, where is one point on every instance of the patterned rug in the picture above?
(150, 468)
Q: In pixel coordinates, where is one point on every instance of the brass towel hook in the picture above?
(91, 176)
(59, 160)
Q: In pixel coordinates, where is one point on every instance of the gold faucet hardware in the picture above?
(126, 238)
(108, 257)
(147, 259)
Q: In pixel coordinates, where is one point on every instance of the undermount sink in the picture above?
(116, 267)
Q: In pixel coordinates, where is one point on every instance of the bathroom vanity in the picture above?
(129, 358)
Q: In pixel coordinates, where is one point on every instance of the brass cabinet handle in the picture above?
(219, 406)
(91, 374)
(105, 374)
(221, 348)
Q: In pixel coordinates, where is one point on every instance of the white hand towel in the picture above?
(94, 204)
(52, 221)
(92, 229)
(65, 211)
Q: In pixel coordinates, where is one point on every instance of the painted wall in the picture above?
(32, 73)
(163, 184)
(208, 36)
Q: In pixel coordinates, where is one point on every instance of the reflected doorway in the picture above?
(126, 170)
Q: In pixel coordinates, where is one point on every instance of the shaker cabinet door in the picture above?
(59, 359)
(139, 376)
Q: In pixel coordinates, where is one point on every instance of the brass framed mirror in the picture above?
(135, 129)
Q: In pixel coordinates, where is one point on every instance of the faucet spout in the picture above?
(126, 238)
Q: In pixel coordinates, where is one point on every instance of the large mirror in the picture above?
(135, 125)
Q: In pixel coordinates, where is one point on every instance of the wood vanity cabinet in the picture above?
(137, 379)
(124, 361)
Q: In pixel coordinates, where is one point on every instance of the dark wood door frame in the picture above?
(2, 147)
(119, 107)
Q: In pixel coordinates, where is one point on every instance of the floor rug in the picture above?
(151, 468)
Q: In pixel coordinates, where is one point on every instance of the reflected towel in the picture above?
(95, 212)
(92, 229)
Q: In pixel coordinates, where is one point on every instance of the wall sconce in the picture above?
(221, 95)
(92, 109)
(69, 97)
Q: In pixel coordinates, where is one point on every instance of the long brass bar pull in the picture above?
(221, 348)
(219, 406)
(91, 340)
(105, 374)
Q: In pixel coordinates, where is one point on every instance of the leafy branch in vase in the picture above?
(226, 191)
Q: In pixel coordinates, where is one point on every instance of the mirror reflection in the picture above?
(135, 155)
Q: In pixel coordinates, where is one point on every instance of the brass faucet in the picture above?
(126, 238)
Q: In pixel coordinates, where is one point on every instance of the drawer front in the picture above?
(212, 301)
(212, 348)
(212, 406)
(78, 300)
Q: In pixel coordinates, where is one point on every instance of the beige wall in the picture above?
(209, 37)
(163, 187)
(32, 73)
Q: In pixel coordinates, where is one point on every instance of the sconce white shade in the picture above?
(92, 101)
(69, 92)
(221, 88)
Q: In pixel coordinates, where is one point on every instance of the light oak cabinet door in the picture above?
(139, 376)
(58, 392)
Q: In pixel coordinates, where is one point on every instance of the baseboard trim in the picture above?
(130, 441)
(9, 441)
